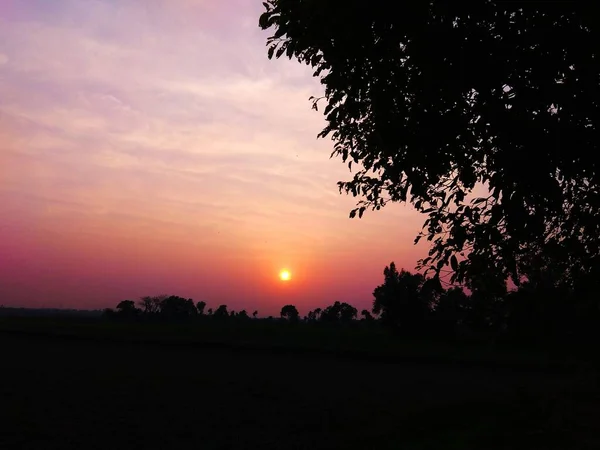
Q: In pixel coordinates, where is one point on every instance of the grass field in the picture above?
(87, 387)
(356, 342)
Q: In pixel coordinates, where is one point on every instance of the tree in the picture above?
(221, 312)
(147, 305)
(290, 313)
(126, 308)
(400, 299)
(486, 309)
(175, 307)
(331, 313)
(338, 312)
(313, 316)
(450, 309)
(200, 307)
(367, 317)
(438, 98)
(254, 314)
(347, 313)
(152, 305)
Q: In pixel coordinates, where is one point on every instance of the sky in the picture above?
(150, 147)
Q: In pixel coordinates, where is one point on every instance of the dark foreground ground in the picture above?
(101, 391)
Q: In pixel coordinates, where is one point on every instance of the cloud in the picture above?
(165, 121)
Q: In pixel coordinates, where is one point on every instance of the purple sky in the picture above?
(149, 146)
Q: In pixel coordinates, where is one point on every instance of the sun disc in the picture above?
(285, 275)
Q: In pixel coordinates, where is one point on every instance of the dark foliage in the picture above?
(401, 299)
(200, 306)
(430, 99)
(541, 310)
(290, 313)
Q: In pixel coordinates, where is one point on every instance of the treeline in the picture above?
(172, 307)
(414, 305)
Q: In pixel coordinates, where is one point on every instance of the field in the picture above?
(79, 385)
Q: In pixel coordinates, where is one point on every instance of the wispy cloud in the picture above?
(165, 119)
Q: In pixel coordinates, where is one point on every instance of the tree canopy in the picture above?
(431, 99)
(290, 313)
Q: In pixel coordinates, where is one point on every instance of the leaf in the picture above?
(280, 50)
(289, 50)
(454, 263)
(280, 32)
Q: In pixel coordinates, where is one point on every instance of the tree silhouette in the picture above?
(441, 97)
(175, 307)
(200, 307)
(347, 312)
(127, 309)
(318, 312)
(151, 305)
(331, 313)
(314, 315)
(221, 312)
(400, 300)
(254, 314)
(339, 312)
(366, 315)
(450, 309)
(290, 313)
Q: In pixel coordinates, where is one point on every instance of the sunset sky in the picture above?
(149, 146)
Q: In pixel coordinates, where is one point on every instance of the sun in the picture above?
(285, 275)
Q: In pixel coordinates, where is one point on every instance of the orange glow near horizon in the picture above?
(150, 150)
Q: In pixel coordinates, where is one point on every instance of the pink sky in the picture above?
(149, 146)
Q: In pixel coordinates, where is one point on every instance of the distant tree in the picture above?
(174, 307)
(400, 301)
(339, 312)
(367, 317)
(209, 312)
(221, 312)
(450, 309)
(290, 313)
(502, 82)
(126, 308)
(347, 312)
(242, 315)
(232, 313)
(151, 305)
(254, 314)
(200, 307)
(313, 316)
(146, 305)
(486, 310)
(318, 312)
(331, 313)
